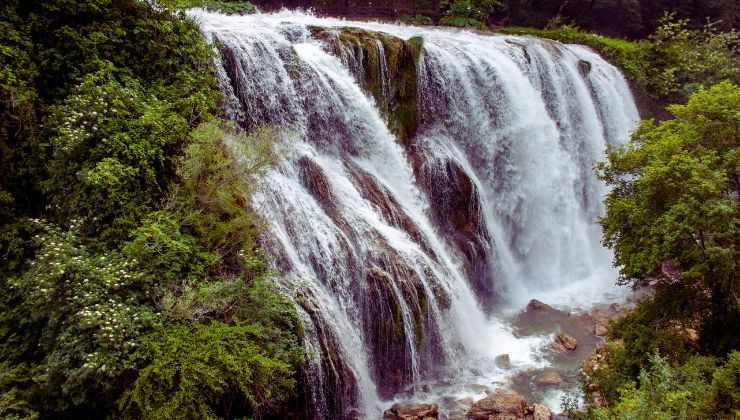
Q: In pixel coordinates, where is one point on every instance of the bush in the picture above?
(418, 20)
(698, 388)
(221, 6)
(109, 154)
(80, 319)
(218, 173)
(468, 13)
(208, 371)
(683, 60)
(125, 233)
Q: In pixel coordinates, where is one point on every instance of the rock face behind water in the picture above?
(412, 412)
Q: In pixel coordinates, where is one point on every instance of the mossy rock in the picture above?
(395, 92)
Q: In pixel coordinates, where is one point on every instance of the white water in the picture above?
(514, 113)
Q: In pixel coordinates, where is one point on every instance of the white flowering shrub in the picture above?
(110, 153)
(88, 304)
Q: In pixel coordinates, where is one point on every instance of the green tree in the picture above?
(673, 214)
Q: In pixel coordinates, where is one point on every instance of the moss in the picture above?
(398, 103)
(421, 315)
(390, 328)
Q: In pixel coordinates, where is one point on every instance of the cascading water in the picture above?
(430, 180)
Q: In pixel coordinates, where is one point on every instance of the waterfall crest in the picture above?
(431, 180)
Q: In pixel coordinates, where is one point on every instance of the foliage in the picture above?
(644, 331)
(84, 322)
(468, 13)
(673, 211)
(672, 219)
(221, 6)
(696, 389)
(684, 60)
(124, 220)
(418, 20)
(109, 154)
(622, 18)
(209, 371)
(212, 195)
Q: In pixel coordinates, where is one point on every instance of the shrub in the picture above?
(208, 371)
(468, 13)
(698, 388)
(218, 173)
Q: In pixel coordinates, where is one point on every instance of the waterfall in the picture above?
(431, 180)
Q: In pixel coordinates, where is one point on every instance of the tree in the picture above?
(674, 210)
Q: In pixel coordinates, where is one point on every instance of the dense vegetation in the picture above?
(633, 19)
(623, 18)
(131, 282)
(673, 219)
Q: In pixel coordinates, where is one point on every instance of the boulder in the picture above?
(412, 412)
(499, 405)
(549, 377)
(601, 329)
(503, 361)
(564, 342)
(541, 412)
(536, 305)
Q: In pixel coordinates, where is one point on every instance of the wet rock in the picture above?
(541, 412)
(564, 342)
(601, 329)
(549, 377)
(386, 66)
(339, 386)
(317, 184)
(503, 361)
(412, 412)
(458, 408)
(388, 207)
(393, 291)
(500, 405)
(458, 211)
(584, 67)
(536, 305)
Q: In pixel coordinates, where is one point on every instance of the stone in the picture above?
(541, 412)
(549, 377)
(412, 412)
(536, 305)
(601, 329)
(499, 405)
(503, 361)
(564, 342)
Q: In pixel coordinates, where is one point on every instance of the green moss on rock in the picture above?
(395, 92)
